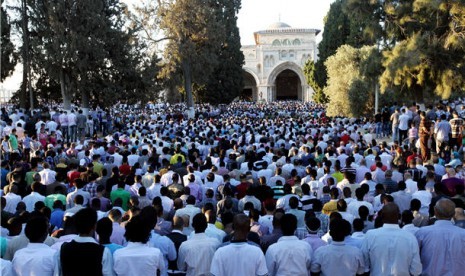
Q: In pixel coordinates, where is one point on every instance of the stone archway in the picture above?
(287, 82)
(288, 86)
(249, 91)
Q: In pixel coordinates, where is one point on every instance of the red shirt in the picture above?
(125, 169)
(73, 175)
(241, 189)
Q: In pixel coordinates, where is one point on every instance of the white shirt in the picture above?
(31, 199)
(47, 176)
(411, 186)
(196, 254)
(138, 259)
(425, 198)
(12, 201)
(71, 119)
(390, 250)
(189, 210)
(238, 259)
(6, 268)
(338, 258)
(213, 232)
(35, 259)
(289, 256)
(355, 205)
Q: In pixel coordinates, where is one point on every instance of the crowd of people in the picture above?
(243, 189)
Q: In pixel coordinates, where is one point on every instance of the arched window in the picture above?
(284, 54)
(286, 42)
(291, 54)
(276, 42)
(296, 42)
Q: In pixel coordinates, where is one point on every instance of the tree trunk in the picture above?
(25, 56)
(85, 95)
(186, 70)
(64, 92)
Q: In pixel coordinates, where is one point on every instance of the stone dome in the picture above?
(278, 25)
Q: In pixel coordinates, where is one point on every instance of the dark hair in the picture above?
(337, 229)
(104, 229)
(358, 225)
(288, 224)
(85, 220)
(37, 229)
(137, 230)
(199, 223)
(313, 223)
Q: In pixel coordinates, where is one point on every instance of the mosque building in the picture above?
(273, 68)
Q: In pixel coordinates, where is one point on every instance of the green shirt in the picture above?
(98, 167)
(123, 194)
(13, 142)
(30, 177)
(50, 199)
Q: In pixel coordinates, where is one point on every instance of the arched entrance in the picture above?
(288, 86)
(249, 91)
(287, 82)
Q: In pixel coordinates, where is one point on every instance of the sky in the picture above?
(255, 15)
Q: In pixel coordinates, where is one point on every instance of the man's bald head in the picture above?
(390, 213)
(444, 209)
(178, 223)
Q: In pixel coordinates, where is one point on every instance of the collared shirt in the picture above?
(356, 204)
(47, 176)
(20, 242)
(138, 259)
(117, 236)
(239, 258)
(402, 199)
(6, 268)
(189, 210)
(256, 202)
(107, 259)
(391, 251)
(35, 259)
(289, 256)
(91, 188)
(31, 199)
(338, 258)
(196, 254)
(410, 228)
(442, 248)
(425, 198)
(166, 247)
(12, 201)
(315, 241)
(70, 197)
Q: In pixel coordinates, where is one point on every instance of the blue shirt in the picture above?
(390, 250)
(442, 247)
(113, 247)
(4, 172)
(56, 218)
(166, 247)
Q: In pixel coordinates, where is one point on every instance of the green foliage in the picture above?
(309, 72)
(429, 55)
(8, 54)
(85, 47)
(226, 81)
(349, 88)
(195, 36)
(335, 33)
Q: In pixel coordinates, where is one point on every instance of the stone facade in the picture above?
(273, 68)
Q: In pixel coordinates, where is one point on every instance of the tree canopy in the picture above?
(349, 87)
(8, 54)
